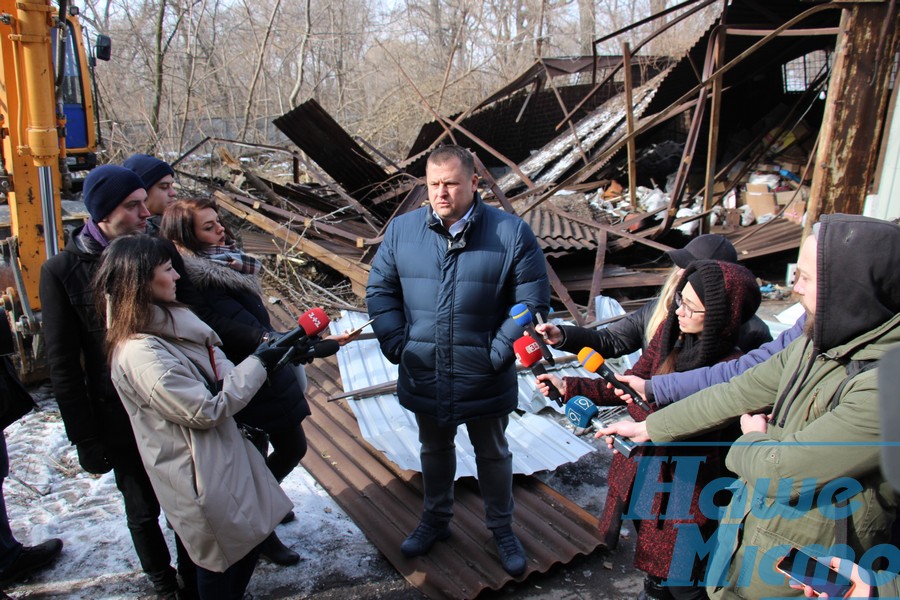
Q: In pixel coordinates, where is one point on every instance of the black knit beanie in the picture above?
(149, 168)
(106, 187)
(730, 297)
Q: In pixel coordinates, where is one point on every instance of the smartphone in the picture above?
(804, 568)
(356, 330)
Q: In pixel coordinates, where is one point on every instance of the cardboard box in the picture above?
(785, 198)
(795, 210)
(757, 188)
(761, 204)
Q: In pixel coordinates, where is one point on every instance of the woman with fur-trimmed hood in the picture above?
(228, 280)
(712, 300)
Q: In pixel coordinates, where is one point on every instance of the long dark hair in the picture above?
(178, 221)
(123, 285)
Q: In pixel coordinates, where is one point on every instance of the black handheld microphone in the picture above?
(317, 349)
(522, 316)
(529, 355)
(593, 362)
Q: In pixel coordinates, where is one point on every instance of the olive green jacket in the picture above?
(805, 441)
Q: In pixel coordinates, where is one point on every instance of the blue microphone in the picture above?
(522, 316)
(582, 413)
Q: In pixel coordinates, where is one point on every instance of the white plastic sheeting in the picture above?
(538, 441)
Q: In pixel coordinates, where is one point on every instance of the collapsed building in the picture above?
(765, 123)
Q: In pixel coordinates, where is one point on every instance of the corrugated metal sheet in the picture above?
(556, 233)
(538, 443)
(326, 142)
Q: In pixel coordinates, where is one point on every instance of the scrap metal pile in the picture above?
(601, 155)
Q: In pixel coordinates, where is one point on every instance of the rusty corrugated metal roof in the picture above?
(385, 502)
(558, 234)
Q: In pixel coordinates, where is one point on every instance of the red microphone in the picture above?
(314, 321)
(528, 352)
(311, 323)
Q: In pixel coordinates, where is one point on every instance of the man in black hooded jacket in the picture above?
(809, 417)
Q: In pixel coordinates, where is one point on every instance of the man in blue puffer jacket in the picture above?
(442, 284)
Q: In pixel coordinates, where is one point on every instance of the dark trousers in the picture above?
(229, 585)
(142, 515)
(493, 462)
(9, 546)
(288, 447)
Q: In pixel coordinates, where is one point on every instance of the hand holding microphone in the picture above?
(582, 413)
(523, 317)
(593, 362)
(301, 341)
(528, 353)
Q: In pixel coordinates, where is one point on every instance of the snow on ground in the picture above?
(49, 495)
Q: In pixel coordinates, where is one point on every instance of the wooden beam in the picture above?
(629, 127)
(854, 110)
(357, 273)
(596, 282)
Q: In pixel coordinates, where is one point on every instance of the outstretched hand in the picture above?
(551, 333)
(559, 384)
(634, 382)
(636, 432)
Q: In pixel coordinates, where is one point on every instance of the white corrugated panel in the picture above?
(538, 441)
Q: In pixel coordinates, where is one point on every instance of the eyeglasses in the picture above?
(688, 311)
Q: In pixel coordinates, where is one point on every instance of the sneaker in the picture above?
(31, 559)
(273, 550)
(512, 554)
(423, 538)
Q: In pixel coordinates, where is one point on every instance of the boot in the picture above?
(30, 560)
(275, 552)
(654, 590)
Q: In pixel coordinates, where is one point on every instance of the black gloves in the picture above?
(92, 456)
(270, 355)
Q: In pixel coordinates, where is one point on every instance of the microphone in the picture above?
(522, 316)
(581, 412)
(593, 362)
(318, 349)
(529, 354)
(311, 323)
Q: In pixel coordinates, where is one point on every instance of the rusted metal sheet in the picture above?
(325, 141)
(386, 503)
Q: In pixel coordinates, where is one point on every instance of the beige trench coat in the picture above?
(213, 485)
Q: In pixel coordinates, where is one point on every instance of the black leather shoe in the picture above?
(288, 517)
(275, 552)
(423, 538)
(31, 559)
(512, 554)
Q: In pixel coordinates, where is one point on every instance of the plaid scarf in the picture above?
(232, 258)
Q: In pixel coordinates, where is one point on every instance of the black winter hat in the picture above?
(106, 187)
(149, 168)
(730, 297)
(709, 246)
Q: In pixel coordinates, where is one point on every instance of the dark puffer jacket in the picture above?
(235, 297)
(443, 309)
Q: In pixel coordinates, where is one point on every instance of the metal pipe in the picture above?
(48, 205)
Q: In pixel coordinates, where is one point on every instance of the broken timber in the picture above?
(357, 273)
